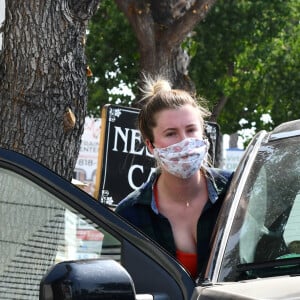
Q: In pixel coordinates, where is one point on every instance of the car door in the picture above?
(45, 220)
(256, 251)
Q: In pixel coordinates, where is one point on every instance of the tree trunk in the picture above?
(223, 99)
(218, 108)
(43, 89)
(160, 28)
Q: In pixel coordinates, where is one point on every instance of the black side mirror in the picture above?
(87, 280)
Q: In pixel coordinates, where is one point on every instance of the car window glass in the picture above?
(292, 228)
(266, 226)
(39, 230)
(254, 220)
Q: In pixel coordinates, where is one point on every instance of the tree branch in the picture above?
(139, 15)
(218, 108)
(184, 25)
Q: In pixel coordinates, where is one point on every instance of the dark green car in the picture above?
(57, 242)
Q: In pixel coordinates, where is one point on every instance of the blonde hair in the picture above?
(153, 86)
(158, 95)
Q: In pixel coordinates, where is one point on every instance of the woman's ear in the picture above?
(149, 145)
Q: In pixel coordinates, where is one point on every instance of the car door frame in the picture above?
(140, 255)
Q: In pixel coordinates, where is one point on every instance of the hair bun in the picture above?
(161, 85)
(153, 86)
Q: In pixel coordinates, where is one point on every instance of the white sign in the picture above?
(232, 158)
(86, 165)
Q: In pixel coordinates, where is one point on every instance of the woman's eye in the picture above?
(170, 134)
(192, 130)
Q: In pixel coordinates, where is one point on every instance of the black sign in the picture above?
(124, 162)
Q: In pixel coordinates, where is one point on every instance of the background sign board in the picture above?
(87, 161)
(124, 162)
(232, 158)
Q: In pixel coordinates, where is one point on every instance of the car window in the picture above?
(266, 227)
(39, 230)
(254, 218)
(291, 233)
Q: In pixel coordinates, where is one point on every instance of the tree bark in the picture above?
(218, 108)
(43, 88)
(160, 28)
(223, 99)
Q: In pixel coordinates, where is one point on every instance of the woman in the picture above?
(179, 205)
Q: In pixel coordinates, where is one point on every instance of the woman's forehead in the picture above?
(183, 114)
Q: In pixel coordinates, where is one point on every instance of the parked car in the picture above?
(57, 242)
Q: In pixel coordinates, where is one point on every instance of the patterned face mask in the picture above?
(184, 158)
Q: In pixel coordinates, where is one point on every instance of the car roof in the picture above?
(285, 130)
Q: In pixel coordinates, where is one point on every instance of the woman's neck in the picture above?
(177, 189)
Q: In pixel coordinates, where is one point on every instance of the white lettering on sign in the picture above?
(136, 136)
(131, 137)
(136, 171)
(123, 136)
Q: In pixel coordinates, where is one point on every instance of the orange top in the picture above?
(188, 260)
